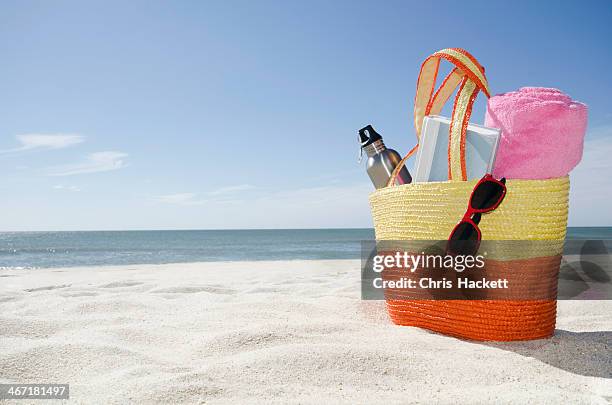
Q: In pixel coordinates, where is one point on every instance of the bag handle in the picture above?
(469, 75)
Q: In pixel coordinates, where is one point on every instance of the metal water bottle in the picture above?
(381, 161)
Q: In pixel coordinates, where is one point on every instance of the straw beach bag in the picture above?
(533, 210)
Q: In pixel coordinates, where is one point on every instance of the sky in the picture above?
(242, 114)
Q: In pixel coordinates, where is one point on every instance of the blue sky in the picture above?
(242, 114)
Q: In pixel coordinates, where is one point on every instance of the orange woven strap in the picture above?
(469, 75)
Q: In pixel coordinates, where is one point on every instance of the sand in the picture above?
(273, 332)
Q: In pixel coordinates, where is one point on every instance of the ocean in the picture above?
(95, 248)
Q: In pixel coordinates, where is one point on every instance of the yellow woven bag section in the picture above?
(531, 210)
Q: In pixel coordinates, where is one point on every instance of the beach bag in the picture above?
(533, 210)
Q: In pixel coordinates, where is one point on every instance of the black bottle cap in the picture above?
(367, 136)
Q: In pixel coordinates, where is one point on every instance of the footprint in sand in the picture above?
(46, 288)
(263, 290)
(193, 290)
(80, 294)
(119, 284)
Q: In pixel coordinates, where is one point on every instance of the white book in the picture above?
(432, 156)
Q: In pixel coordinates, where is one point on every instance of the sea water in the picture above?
(95, 248)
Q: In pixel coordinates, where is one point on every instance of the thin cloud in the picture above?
(307, 207)
(94, 163)
(231, 189)
(218, 195)
(180, 199)
(44, 141)
(66, 188)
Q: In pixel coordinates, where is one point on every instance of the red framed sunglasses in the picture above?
(488, 193)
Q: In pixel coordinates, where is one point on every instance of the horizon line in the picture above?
(226, 229)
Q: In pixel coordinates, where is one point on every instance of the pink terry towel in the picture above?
(542, 132)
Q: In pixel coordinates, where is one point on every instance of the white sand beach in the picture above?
(273, 332)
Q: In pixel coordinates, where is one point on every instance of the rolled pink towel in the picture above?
(542, 132)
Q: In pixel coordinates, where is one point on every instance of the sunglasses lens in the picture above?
(464, 239)
(487, 195)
